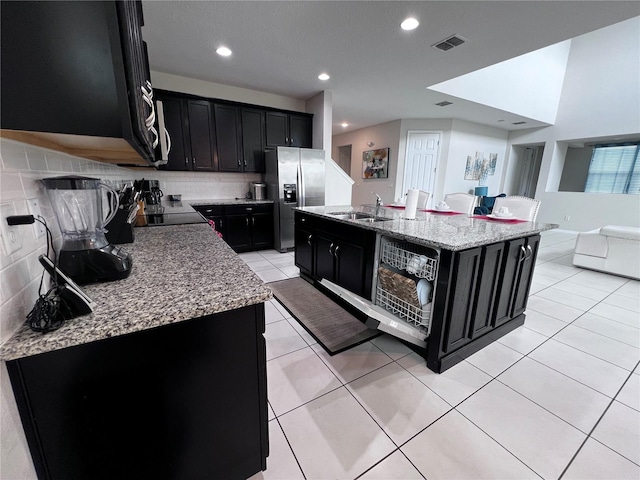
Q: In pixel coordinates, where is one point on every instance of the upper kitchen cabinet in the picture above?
(189, 128)
(228, 128)
(288, 130)
(75, 78)
(253, 142)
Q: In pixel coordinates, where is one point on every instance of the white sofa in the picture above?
(612, 249)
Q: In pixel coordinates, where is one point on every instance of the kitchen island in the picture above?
(479, 271)
(165, 379)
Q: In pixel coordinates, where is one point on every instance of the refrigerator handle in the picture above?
(301, 190)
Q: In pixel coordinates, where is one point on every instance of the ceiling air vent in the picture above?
(518, 123)
(444, 103)
(449, 43)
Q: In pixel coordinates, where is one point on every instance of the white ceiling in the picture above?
(379, 72)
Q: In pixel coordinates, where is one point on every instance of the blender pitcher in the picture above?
(86, 255)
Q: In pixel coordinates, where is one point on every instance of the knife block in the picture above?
(118, 230)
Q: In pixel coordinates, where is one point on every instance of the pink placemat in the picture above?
(439, 212)
(505, 220)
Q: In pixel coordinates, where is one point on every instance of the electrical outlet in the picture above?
(567, 217)
(10, 237)
(34, 209)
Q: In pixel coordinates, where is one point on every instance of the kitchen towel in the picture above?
(412, 204)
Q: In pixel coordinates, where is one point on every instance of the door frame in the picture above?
(436, 172)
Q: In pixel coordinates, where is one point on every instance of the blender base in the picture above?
(96, 265)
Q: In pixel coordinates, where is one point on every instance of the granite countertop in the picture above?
(451, 232)
(226, 201)
(179, 272)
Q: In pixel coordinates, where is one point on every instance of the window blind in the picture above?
(614, 169)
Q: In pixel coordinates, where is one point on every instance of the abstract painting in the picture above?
(375, 163)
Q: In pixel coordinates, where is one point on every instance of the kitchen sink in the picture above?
(365, 217)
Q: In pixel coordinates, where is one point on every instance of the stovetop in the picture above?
(174, 213)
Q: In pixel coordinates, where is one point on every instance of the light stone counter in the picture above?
(179, 272)
(451, 232)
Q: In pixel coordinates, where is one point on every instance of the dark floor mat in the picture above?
(331, 325)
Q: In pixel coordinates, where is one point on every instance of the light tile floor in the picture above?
(556, 398)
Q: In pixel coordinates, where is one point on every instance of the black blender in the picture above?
(86, 256)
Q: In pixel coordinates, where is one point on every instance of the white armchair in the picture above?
(523, 208)
(612, 249)
(461, 202)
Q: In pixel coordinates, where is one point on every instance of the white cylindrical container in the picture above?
(412, 204)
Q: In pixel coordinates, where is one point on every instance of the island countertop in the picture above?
(451, 232)
(179, 273)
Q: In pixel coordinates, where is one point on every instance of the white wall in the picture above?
(600, 100)
(21, 167)
(383, 135)
(321, 106)
(175, 83)
(529, 85)
(466, 139)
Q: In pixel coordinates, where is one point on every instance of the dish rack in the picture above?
(397, 294)
(399, 254)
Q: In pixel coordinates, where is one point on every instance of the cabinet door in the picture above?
(304, 241)
(201, 135)
(490, 265)
(300, 131)
(262, 230)
(277, 129)
(238, 231)
(323, 261)
(523, 283)
(461, 298)
(227, 124)
(349, 266)
(513, 253)
(175, 123)
(253, 143)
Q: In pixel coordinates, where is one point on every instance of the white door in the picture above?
(421, 162)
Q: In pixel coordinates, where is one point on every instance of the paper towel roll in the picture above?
(412, 204)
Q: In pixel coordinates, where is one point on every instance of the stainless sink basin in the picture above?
(365, 217)
(351, 215)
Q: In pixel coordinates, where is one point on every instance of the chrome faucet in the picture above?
(378, 202)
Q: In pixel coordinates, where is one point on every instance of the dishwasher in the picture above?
(403, 290)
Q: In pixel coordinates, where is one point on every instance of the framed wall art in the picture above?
(375, 163)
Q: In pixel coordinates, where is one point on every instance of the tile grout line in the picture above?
(596, 425)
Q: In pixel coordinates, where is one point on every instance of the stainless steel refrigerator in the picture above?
(295, 178)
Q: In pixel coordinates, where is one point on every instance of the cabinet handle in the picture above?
(186, 161)
(209, 210)
(524, 253)
(302, 220)
(194, 161)
(335, 252)
(247, 221)
(249, 209)
(238, 162)
(309, 238)
(330, 247)
(530, 251)
(221, 223)
(291, 141)
(245, 163)
(253, 221)
(166, 132)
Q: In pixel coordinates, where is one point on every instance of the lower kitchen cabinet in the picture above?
(481, 295)
(336, 252)
(243, 227)
(183, 401)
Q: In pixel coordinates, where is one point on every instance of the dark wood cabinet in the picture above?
(228, 128)
(185, 400)
(201, 136)
(334, 251)
(175, 119)
(243, 227)
(253, 142)
(481, 295)
(189, 124)
(288, 130)
(78, 68)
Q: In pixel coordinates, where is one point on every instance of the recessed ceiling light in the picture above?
(344, 124)
(324, 76)
(409, 24)
(223, 51)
